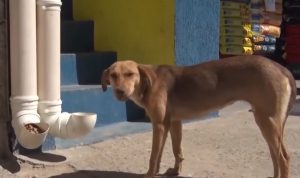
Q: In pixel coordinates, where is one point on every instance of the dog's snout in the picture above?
(120, 92)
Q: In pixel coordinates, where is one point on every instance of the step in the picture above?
(77, 36)
(134, 113)
(67, 10)
(91, 98)
(85, 68)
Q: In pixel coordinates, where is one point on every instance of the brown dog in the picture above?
(170, 94)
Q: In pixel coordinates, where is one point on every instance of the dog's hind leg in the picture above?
(176, 136)
(272, 132)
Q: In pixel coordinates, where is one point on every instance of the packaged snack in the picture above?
(234, 13)
(233, 5)
(233, 21)
(276, 6)
(266, 18)
(270, 5)
(272, 18)
(236, 31)
(265, 29)
(256, 11)
(257, 4)
(263, 49)
(263, 39)
(236, 50)
(235, 40)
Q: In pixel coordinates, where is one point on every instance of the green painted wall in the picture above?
(142, 30)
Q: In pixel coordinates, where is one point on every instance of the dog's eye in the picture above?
(113, 75)
(129, 74)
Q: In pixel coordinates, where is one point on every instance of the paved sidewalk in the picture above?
(227, 147)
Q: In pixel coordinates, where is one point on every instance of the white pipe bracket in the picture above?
(50, 4)
(22, 105)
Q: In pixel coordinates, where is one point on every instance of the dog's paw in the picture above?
(172, 172)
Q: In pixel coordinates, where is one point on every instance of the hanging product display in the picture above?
(249, 27)
(235, 31)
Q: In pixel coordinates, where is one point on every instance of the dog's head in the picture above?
(125, 77)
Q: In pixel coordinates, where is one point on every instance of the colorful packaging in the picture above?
(267, 5)
(233, 21)
(266, 30)
(263, 39)
(272, 18)
(244, 31)
(235, 50)
(235, 40)
(278, 8)
(258, 49)
(257, 4)
(266, 18)
(234, 13)
(270, 5)
(233, 5)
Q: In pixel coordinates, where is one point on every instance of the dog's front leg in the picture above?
(167, 128)
(176, 136)
(157, 144)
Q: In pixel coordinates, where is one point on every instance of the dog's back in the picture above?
(214, 84)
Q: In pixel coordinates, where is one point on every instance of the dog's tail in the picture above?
(292, 99)
(293, 86)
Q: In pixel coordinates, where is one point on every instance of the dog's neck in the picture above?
(142, 89)
(138, 96)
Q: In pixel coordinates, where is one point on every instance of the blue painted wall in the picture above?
(196, 31)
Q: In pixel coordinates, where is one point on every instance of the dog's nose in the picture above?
(119, 91)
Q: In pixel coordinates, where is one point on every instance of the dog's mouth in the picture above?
(120, 95)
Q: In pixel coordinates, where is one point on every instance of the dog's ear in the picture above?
(145, 77)
(105, 79)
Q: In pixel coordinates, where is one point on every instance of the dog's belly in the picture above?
(186, 111)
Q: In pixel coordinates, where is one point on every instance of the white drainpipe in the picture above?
(64, 125)
(25, 102)
(24, 99)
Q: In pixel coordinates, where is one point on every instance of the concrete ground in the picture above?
(226, 147)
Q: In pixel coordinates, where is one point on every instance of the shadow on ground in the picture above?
(11, 164)
(103, 174)
(47, 157)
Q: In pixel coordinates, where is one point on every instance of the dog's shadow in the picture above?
(103, 174)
